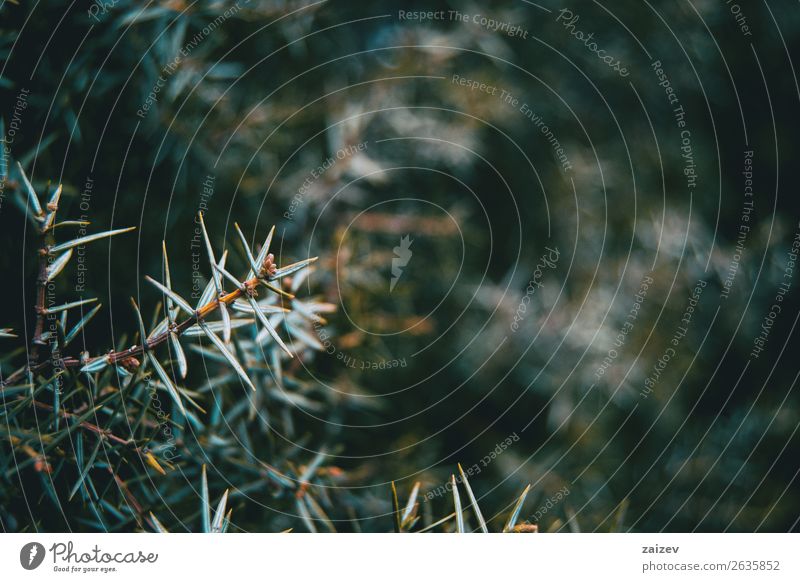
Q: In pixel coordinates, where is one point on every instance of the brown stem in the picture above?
(132, 501)
(133, 351)
(199, 315)
(115, 357)
(88, 426)
(41, 311)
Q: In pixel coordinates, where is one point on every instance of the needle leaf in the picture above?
(294, 267)
(165, 379)
(170, 294)
(265, 322)
(262, 254)
(254, 267)
(457, 505)
(512, 519)
(33, 199)
(58, 265)
(227, 354)
(472, 500)
(219, 516)
(396, 510)
(73, 333)
(71, 305)
(87, 239)
(205, 500)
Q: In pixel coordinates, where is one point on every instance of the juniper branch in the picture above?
(247, 288)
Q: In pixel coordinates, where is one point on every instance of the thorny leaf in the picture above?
(95, 365)
(254, 266)
(183, 366)
(512, 519)
(265, 322)
(171, 295)
(262, 254)
(210, 290)
(205, 511)
(215, 276)
(58, 265)
(52, 207)
(457, 505)
(165, 379)
(305, 516)
(215, 326)
(294, 267)
(219, 516)
(157, 524)
(412, 499)
(73, 333)
(71, 305)
(228, 355)
(396, 510)
(472, 500)
(247, 307)
(33, 199)
(87, 239)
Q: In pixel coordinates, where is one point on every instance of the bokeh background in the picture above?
(549, 191)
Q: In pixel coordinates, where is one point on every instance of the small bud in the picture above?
(268, 267)
(251, 288)
(42, 466)
(130, 363)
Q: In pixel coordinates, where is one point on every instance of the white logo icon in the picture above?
(402, 257)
